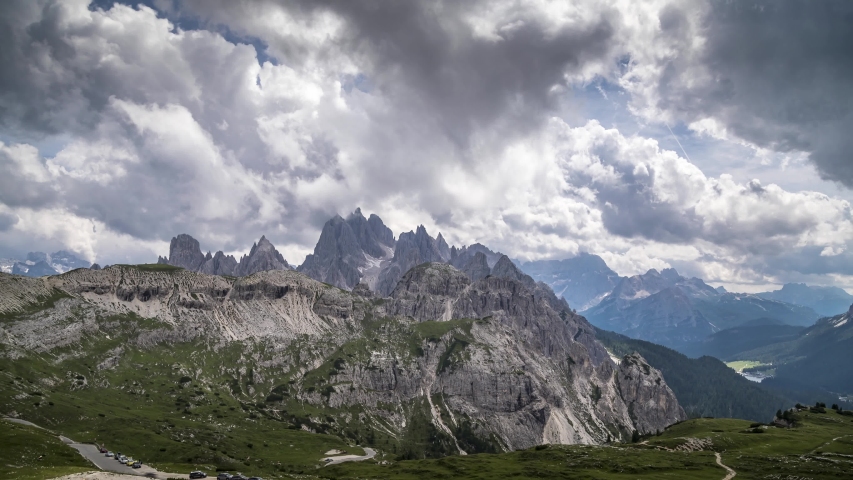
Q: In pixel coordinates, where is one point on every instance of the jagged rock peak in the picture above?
(95, 266)
(341, 255)
(220, 264)
(506, 269)
(412, 249)
(262, 257)
(185, 252)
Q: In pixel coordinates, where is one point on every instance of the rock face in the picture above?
(490, 364)
(459, 257)
(219, 264)
(477, 267)
(504, 268)
(650, 401)
(350, 251)
(412, 248)
(185, 252)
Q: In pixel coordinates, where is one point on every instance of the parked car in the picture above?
(255, 478)
(110, 455)
(102, 450)
(224, 476)
(238, 477)
(121, 459)
(137, 464)
(198, 474)
(129, 461)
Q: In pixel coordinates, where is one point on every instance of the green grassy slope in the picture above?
(821, 448)
(29, 453)
(178, 407)
(195, 404)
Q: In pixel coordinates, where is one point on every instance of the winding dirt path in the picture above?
(731, 473)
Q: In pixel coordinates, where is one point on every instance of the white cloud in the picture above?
(458, 125)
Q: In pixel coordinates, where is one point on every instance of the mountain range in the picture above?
(661, 307)
(408, 343)
(669, 309)
(39, 264)
(826, 301)
(443, 361)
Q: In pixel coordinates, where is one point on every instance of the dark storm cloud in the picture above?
(778, 73)
(430, 61)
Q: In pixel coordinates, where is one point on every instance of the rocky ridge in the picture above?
(488, 357)
(669, 309)
(185, 252)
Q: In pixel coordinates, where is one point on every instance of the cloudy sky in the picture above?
(714, 137)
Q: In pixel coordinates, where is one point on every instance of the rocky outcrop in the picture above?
(412, 249)
(261, 258)
(185, 252)
(350, 251)
(219, 264)
(651, 403)
(477, 267)
(504, 268)
(428, 292)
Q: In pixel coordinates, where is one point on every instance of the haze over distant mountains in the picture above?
(583, 280)
(826, 301)
(39, 264)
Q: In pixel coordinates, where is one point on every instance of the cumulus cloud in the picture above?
(270, 117)
(775, 74)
